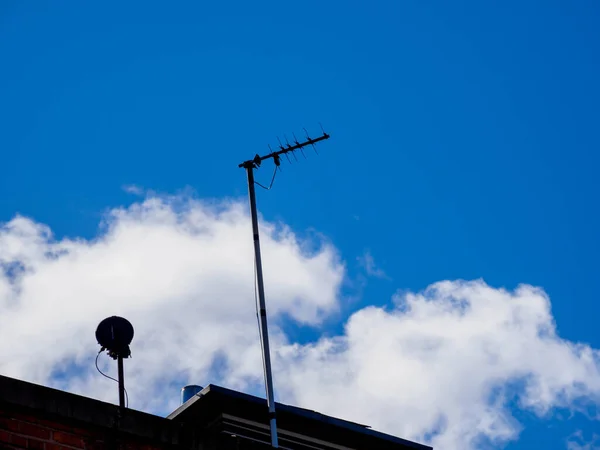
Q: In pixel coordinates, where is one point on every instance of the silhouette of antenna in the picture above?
(261, 312)
(114, 334)
(255, 162)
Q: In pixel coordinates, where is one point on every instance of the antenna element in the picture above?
(255, 162)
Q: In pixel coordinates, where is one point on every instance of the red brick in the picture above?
(51, 446)
(80, 432)
(7, 423)
(54, 425)
(14, 439)
(67, 439)
(4, 436)
(19, 441)
(35, 444)
(32, 430)
(25, 417)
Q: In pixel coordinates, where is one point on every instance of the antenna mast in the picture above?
(261, 312)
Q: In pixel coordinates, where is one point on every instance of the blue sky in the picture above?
(464, 135)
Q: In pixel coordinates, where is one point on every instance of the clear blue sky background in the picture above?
(464, 134)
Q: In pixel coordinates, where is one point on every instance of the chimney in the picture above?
(189, 391)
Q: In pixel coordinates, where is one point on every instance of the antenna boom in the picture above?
(252, 163)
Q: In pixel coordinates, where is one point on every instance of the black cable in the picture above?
(111, 378)
(272, 181)
(258, 315)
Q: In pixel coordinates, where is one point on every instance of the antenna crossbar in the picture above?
(257, 160)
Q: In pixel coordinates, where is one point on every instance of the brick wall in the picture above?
(21, 431)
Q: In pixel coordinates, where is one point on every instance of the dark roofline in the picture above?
(187, 409)
(211, 404)
(54, 404)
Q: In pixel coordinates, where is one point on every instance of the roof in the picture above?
(227, 418)
(45, 402)
(236, 410)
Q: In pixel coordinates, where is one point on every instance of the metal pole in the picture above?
(121, 382)
(262, 310)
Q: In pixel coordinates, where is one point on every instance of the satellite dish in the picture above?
(115, 334)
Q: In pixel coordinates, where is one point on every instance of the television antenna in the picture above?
(261, 309)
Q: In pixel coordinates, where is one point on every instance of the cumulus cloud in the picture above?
(180, 270)
(439, 366)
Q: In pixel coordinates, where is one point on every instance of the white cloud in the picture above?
(367, 262)
(447, 359)
(578, 442)
(181, 271)
(133, 189)
(437, 366)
